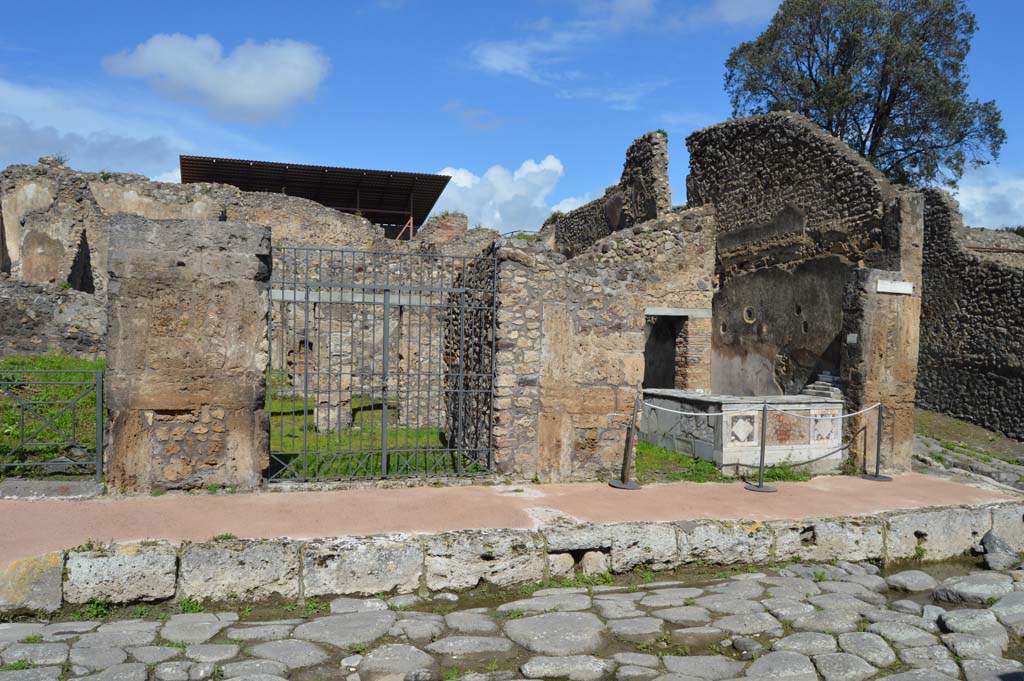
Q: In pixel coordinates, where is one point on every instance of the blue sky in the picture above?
(528, 104)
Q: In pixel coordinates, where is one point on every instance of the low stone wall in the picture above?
(40, 318)
(258, 569)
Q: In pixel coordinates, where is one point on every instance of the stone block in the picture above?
(239, 569)
(1008, 523)
(649, 544)
(828, 540)
(941, 534)
(362, 565)
(461, 560)
(122, 573)
(32, 584)
(721, 543)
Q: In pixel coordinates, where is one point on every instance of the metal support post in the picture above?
(877, 476)
(627, 459)
(760, 486)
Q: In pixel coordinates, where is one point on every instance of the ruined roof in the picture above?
(384, 197)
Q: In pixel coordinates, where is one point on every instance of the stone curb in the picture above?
(254, 569)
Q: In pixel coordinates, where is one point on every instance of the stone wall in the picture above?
(37, 318)
(187, 354)
(972, 347)
(571, 337)
(265, 569)
(642, 194)
(803, 221)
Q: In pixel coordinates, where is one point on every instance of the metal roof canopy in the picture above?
(384, 197)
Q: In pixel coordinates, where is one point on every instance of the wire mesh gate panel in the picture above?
(381, 364)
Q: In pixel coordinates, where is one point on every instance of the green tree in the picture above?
(885, 76)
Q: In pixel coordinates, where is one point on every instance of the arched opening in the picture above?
(80, 278)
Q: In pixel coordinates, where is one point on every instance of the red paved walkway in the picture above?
(32, 526)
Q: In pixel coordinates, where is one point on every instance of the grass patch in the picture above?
(786, 473)
(967, 438)
(94, 609)
(354, 451)
(69, 426)
(16, 666)
(191, 605)
(657, 464)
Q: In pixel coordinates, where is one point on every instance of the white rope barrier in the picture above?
(757, 410)
(843, 416)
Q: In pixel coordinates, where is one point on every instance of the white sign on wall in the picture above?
(903, 288)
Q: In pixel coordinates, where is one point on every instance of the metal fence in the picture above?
(381, 364)
(51, 422)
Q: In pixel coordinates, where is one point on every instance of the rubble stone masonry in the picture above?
(972, 320)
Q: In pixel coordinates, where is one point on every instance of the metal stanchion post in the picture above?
(627, 459)
(760, 486)
(877, 476)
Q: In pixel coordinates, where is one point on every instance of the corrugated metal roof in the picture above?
(382, 196)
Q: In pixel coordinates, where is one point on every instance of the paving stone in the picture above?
(999, 555)
(880, 615)
(419, 627)
(152, 654)
(921, 675)
(697, 637)
(971, 646)
(254, 667)
(787, 609)
(291, 653)
(172, 671)
(756, 623)
(393, 661)
(266, 632)
(739, 589)
(559, 633)
(977, 622)
(130, 671)
(704, 666)
(572, 667)
(727, 605)
(62, 630)
(352, 661)
(872, 582)
(783, 665)
(342, 606)
(115, 639)
(194, 627)
(807, 587)
(471, 623)
(671, 597)
(903, 635)
(837, 622)
(12, 632)
(211, 652)
(347, 631)
(931, 613)
(200, 671)
(617, 609)
(637, 659)
(36, 674)
(638, 629)
(909, 607)
(630, 672)
(95, 659)
(807, 642)
(403, 601)
(855, 590)
(841, 602)
(930, 657)
(843, 667)
(684, 616)
(41, 654)
(977, 589)
(472, 647)
(991, 670)
(550, 603)
(870, 647)
(911, 580)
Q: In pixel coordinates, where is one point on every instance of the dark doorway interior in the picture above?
(660, 351)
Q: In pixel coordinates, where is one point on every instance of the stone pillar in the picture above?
(881, 327)
(187, 354)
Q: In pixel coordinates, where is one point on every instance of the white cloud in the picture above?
(623, 97)
(726, 12)
(100, 131)
(502, 199)
(989, 198)
(535, 57)
(21, 142)
(254, 82)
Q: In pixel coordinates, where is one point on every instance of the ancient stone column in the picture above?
(187, 354)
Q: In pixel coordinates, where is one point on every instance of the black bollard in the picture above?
(760, 486)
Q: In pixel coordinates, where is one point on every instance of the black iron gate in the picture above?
(381, 364)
